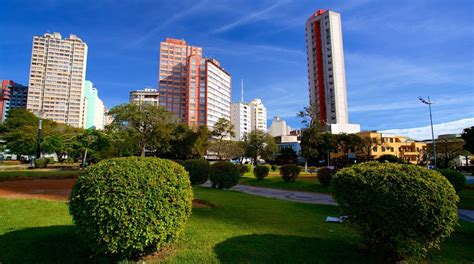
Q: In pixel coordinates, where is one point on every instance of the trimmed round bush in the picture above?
(242, 169)
(131, 206)
(289, 172)
(400, 210)
(325, 176)
(198, 170)
(274, 167)
(261, 171)
(457, 179)
(224, 175)
(391, 159)
(41, 163)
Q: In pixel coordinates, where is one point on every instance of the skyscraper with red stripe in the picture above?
(326, 72)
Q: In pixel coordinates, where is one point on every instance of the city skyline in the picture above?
(385, 72)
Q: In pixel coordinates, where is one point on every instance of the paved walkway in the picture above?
(310, 197)
(469, 179)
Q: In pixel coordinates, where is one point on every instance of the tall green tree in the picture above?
(447, 149)
(146, 125)
(259, 144)
(187, 143)
(317, 145)
(468, 136)
(19, 132)
(91, 140)
(221, 132)
(58, 138)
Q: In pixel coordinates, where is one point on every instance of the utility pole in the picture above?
(429, 103)
(40, 137)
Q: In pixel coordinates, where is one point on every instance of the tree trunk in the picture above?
(84, 158)
(142, 151)
(305, 165)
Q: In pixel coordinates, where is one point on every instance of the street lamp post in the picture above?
(429, 103)
(40, 137)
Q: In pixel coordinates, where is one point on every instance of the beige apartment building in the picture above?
(400, 146)
(145, 96)
(57, 76)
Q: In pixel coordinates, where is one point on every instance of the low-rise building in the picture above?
(388, 144)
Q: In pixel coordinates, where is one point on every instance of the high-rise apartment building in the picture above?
(145, 96)
(241, 119)
(218, 92)
(197, 90)
(326, 72)
(259, 115)
(247, 117)
(57, 75)
(279, 127)
(181, 76)
(93, 107)
(12, 95)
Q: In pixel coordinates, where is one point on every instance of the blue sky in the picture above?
(395, 51)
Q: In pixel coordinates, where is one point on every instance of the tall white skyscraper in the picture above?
(259, 115)
(57, 75)
(240, 117)
(327, 81)
(248, 117)
(218, 92)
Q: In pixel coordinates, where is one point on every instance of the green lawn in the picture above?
(309, 183)
(39, 174)
(467, 197)
(242, 229)
(305, 182)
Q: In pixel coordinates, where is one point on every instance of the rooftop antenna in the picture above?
(241, 90)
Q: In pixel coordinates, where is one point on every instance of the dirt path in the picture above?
(49, 189)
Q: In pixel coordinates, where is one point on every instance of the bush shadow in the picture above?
(50, 244)
(269, 248)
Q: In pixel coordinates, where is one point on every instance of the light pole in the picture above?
(40, 136)
(429, 103)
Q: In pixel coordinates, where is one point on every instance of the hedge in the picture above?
(224, 175)
(457, 179)
(289, 172)
(400, 210)
(131, 206)
(261, 171)
(325, 176)
(198, 170)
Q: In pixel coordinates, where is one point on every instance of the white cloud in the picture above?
(172, 19)
(420, 133)
(250, 17)
(407, 102)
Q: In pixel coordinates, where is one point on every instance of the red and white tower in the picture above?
(326, 73)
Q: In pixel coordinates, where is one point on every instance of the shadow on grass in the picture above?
(51, 244)
(267, 248)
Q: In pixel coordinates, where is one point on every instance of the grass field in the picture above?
(39, 174)
(305, 182)
(309, 183)
(467, 197)
(242, 229)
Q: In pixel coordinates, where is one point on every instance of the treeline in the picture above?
(136, 130)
